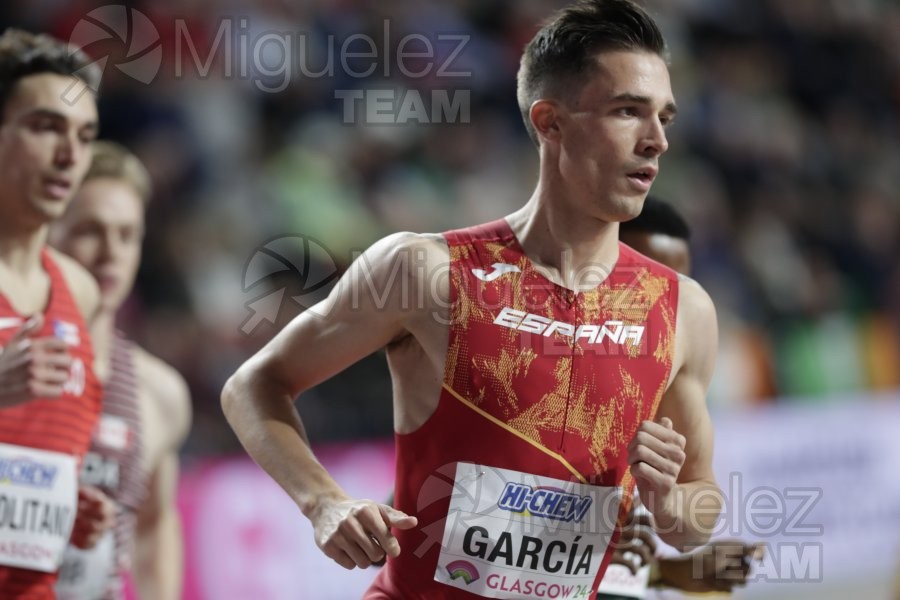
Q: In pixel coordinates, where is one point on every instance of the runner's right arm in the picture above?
(363, 313)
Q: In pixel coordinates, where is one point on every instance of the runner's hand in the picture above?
(716, 567)
(356, 533)
(96, 514)
(32, 367)
(656, 455)
(637, 539)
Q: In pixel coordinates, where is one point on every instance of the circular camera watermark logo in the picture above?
(123, 36)
(293, 266)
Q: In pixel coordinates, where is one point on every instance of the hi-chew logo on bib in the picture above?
(549, 502)
(24, 471)
(510, 534)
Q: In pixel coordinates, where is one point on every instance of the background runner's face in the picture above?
(45, 147)
(670, 251)
(103, 230)
(614, 129)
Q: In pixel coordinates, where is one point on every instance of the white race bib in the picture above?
(618, 581)
(513, 535)
(38, 501)
(86, 574)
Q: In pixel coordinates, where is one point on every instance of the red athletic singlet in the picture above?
(63, 425)
(540, 380)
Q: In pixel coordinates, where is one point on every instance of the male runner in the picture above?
(540, 367)
(146, 406)
(49, 395)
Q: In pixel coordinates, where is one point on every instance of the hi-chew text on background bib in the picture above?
(516, 535)
(38, 501)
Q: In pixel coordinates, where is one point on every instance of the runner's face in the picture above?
(103, 230)
(45, 146)
(613, 134)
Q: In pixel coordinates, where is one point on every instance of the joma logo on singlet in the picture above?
(617, 331)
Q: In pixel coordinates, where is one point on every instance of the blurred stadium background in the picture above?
(785, 160)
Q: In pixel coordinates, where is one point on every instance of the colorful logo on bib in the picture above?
(547, 502)
(23, 471)
(462, 569)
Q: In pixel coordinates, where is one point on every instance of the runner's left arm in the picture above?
(671, 458)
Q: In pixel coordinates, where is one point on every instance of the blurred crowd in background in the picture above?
(785, 159)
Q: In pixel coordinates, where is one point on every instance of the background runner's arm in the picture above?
(158, 550)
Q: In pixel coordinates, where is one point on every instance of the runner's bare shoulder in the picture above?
(82, 285)
(400, 267)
